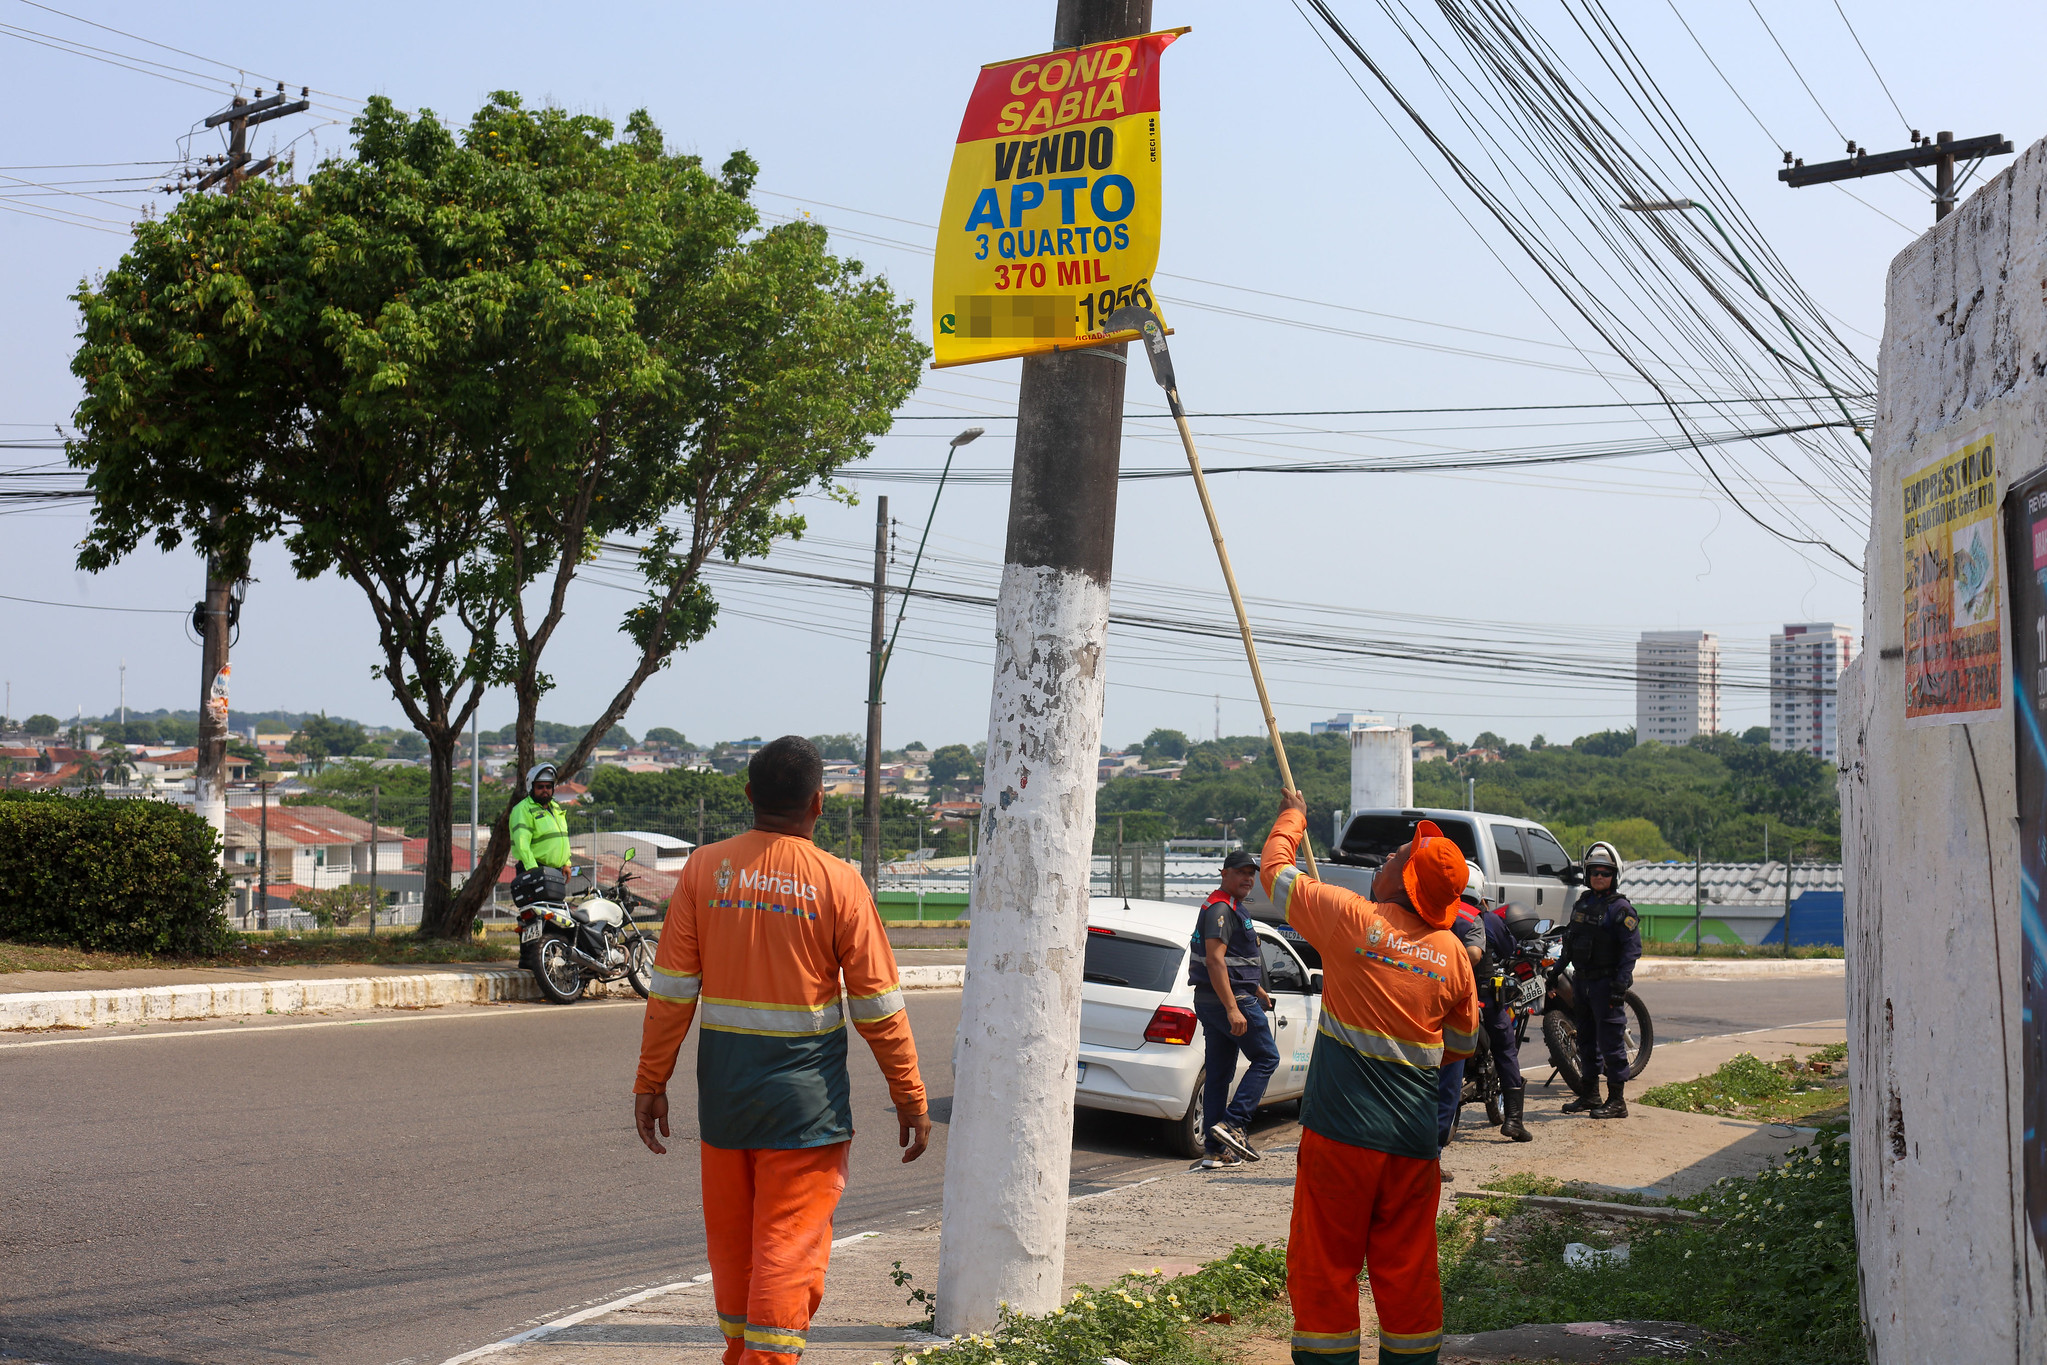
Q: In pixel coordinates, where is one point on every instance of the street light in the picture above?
(967, 437)
(1681, 205)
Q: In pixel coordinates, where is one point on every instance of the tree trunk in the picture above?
(440, 913)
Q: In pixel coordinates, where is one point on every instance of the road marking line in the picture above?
(856, 1237)
(310, 1023)
(569, 1320)
(1774, 1028)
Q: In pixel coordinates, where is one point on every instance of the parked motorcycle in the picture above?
(569, 941)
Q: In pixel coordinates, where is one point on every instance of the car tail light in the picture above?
(1524, 970)
(1171, 1024)
(1106, 933)
(527, 917)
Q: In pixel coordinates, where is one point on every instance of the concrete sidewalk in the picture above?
(1167, 1219)
(40, 1000)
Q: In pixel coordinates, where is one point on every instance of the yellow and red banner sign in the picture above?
(1051, 218)
(1954, 631)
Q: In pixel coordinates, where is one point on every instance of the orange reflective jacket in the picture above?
(1398, 1001)
(760, 932)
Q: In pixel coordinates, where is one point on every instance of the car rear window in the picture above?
(1370, 839)
(1113, 960)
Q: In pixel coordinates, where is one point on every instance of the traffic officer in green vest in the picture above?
(1602, 943)
(540, 824)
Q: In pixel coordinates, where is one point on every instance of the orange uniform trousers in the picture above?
(768, 1220)
(1355, 1207)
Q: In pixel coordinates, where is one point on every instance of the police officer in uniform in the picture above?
(1496, 1013)
(1602, 942)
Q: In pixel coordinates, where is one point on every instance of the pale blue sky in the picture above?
(1278, 177)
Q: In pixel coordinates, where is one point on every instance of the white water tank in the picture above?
(1382, 768)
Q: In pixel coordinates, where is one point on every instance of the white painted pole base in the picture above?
(1010, 1144)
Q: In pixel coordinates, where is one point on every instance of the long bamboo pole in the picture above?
(1139, 319)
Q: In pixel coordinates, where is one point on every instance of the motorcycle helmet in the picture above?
(538, 772)
(1603, 854)
(1474, 885)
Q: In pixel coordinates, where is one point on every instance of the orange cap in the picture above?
(1434, 876)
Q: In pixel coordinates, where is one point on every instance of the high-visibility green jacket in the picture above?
(540, 834)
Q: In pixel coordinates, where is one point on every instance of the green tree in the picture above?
(1167, 746)
(841, 748)
(42, 725)
(458, 366)
(953, 766)
(663, 735)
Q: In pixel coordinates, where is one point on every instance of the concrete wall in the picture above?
(1382, 767)
(1948, 1270)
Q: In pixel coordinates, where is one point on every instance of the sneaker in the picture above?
(1220, 1161)
(1233, 1139)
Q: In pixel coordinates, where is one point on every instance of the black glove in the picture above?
(1621, 987)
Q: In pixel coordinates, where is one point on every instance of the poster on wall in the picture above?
(1051, 218)
(2026, 554)
(1954, 650)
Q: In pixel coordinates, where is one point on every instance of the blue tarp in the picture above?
(1816, 917)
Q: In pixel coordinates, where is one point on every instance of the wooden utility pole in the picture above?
(870, 796)
(217, 614)
(1010, 1144)
(1940, 152)
(263, 862)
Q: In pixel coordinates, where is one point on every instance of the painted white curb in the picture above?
(1664, 968)
(235, 999)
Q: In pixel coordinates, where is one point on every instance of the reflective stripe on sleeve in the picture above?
(872, 1008)
(675, 986)
(785, 1021)
(731, 1326)
(1453, 1041)
(1379, 1045)
(1283, 889)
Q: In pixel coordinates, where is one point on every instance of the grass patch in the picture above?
(312, 948)
(1764, 950)
(1775, 1272)
(1196, 1319)
(1527, 1182)
(1748, 1087)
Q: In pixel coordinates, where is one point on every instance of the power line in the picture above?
(88, 606)
(1796, 72)
(1393, 412)
(1872, 65)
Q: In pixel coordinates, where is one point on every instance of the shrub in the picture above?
(336, 905)
(110, 876)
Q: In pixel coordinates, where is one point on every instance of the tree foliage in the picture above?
(459, 365)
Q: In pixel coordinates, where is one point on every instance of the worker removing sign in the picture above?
(1051, 218)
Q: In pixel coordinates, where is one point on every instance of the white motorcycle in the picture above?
(569, 941)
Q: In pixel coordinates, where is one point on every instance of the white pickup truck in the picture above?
(1527, 871)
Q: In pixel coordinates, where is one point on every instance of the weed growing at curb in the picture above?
(1771, 1266)
(1744, 950)
(1144, 1319)
(1748, 1087)
(267, 950)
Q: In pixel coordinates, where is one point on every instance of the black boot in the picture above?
(1513, 1127)
(1588, 1097)
(1616, 1106)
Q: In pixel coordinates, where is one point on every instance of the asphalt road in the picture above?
(398, 1188)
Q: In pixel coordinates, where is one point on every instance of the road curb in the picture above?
(1665, 968)
(240, 999)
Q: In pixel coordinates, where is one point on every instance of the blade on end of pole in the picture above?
(1137, 318)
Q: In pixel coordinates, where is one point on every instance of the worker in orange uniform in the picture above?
(1399, 1000)
(758, 934)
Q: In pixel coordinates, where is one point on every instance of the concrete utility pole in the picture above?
(216, 615)
(870, 796)
(1010, 1145)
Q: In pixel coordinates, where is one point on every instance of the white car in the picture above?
(1140, 1044)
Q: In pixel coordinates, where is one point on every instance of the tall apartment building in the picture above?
(1677, 685)
(1805, 673)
